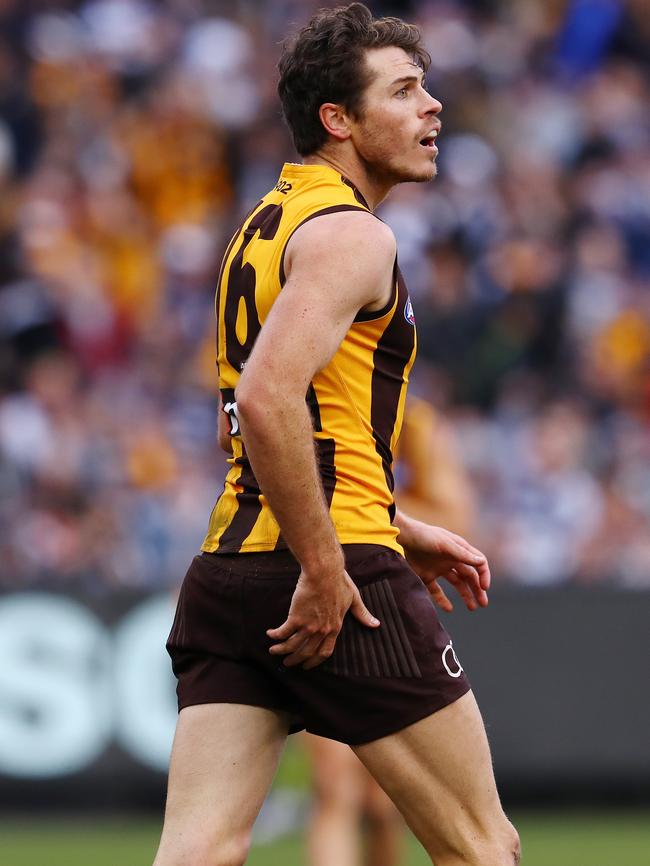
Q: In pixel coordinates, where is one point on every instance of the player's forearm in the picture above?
(289, 478)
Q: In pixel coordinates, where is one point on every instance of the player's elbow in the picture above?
(263, 406)
(255, 401)
(249, 397)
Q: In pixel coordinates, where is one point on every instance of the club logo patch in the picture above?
(409, 315)
(450, 661)
(231, 411)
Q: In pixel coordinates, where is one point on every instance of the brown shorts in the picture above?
(376, 682)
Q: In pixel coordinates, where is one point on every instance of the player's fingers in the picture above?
(464, 543)
(292, 643)
(304, 652)
(484, 576)
(439, 597)
(471, 579)
(461, 588)
(324, 651)
(468, 584)
(478, 560)
(464, 552)
(361, 612)
(282, 631)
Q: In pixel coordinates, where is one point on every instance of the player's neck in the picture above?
(373, 190)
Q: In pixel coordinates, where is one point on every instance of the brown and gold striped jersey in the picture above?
(356, 401)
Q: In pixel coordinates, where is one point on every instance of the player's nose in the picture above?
(432, 105)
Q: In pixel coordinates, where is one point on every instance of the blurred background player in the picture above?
(352, 820)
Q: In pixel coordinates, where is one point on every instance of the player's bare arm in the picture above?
(434, 552)
(302, 333)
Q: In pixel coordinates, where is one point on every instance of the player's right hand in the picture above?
(308, 635)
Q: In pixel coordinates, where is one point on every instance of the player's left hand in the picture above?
(434, 553)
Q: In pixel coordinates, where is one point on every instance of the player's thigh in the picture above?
(438, 772)
(223, 761)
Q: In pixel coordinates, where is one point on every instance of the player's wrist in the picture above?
(323, 566)
(409, 529)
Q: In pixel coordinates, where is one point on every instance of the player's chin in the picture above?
(425, 167)
(432, 171)
(424, 174)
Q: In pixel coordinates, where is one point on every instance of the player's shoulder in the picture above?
(344, 232)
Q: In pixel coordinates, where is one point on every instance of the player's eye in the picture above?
(402, 92)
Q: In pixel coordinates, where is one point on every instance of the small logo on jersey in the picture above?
(231, 411)
(450, 661)
(409, 315)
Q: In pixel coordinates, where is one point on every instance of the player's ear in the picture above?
(335, 120)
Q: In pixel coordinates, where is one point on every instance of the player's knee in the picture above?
(510, 852)
(494, 846)
(510, 845)
(501, 848)
(515, 846)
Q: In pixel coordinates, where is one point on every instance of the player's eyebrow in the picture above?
(406, 78)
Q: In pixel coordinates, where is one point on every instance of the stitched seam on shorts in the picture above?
(340, 659)
(407, 664)
(386, 632)
(382, 652)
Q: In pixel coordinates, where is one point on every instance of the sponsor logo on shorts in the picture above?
(409, 315)
(450, 661)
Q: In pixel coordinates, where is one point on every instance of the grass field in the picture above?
(570, 839)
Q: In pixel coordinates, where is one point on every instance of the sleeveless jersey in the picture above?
(356, 401)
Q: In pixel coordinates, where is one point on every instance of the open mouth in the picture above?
(429, 140)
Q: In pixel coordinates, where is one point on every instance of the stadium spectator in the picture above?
(133, 136)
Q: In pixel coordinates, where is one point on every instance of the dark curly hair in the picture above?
(325, 62)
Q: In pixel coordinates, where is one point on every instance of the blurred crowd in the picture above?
(133, 137)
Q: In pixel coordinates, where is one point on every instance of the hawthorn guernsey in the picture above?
(356, 401)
